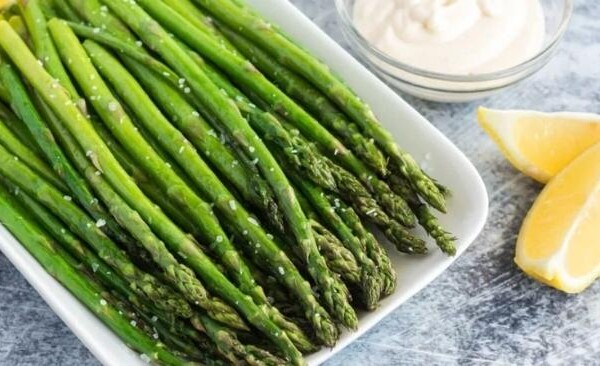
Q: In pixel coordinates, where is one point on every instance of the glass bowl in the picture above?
(456, 88)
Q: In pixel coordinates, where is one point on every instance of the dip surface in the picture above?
(459, 37)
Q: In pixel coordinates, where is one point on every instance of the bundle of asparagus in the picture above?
(199, 181)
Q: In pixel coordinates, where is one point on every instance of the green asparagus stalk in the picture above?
(203, 177)
(104, 272)
(18, 128)
(251, 186)
(339, 259)
(199, 19)
(99, 268)
(88, 139)
(130, 138)
(295, 58)
(262, 89)
(346, 183)
(16, 21)
(122, 127)
(17, 148)
(444, 240)
(175, 343)
(178, 275)
(88, 229)
(297, 152)
(53, 226)
(46, 51)
(64, 10)
(24, 107)
(334, 293)
(148, 186)
(230, 343)
(43, 250)
(374, 250)
(42, 43)
(123, 46)
(4, 97)
(247, 281)
(367, 206)
(47, 7)
(93, 12)
(348, 186)
(370, 280)
(363, 200)
(313, 100)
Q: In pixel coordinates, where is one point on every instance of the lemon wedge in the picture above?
(540, 144)
(559, 241)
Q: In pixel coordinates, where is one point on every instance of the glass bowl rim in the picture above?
(347, 23)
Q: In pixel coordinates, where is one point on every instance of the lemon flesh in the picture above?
(559, 242)
(540, 144)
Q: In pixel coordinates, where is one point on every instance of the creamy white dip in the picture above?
(453, 36)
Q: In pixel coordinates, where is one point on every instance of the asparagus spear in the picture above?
(313, 100)
(203, 177)
(47, 7)
(45, 140)
(43, 249)
(121, 126)
(196, 208)
(251, 186)
(345, 182)
(263, 90)
(199, 19)
(370, 281)
(232, 346)
(334, 293)
(223, 247)
(88, 139)
(28, 181)
(46, 51)
(224, 343)
(178, 345)
(374, 250)
(64, 9)
(16, 21)
(444, 240)
(42, 43)
(298, 152)
(302, 62)
(180, 276)
(224, 339)
(4, 94)
(17, 148)
(339, 259)
(352, 189)
(148, 186)
(18, 128)
(92, 11)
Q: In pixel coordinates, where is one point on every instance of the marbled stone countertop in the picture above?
(481, 311)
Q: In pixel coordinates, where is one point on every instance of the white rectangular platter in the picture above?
(467, 207)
